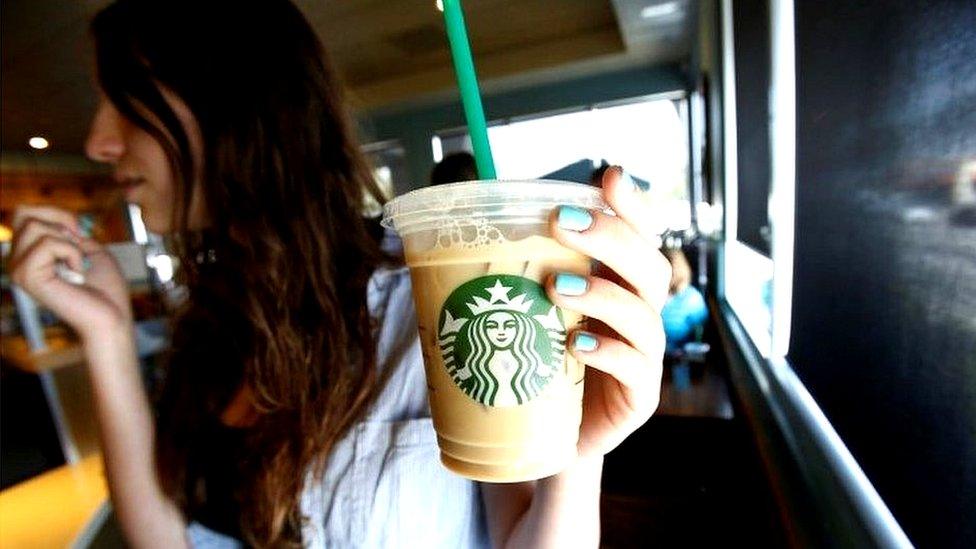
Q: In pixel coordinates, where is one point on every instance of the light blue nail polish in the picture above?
(574, 219)
(86, 224)
(585, 342)
(571, 284)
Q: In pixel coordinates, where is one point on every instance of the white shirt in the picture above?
(384, 485)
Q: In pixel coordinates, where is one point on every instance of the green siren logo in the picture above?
(501, 339)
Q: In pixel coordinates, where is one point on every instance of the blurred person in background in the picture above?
(685, 311)
(454, 168)
(293, 410)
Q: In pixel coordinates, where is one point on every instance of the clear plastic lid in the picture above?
(499, 202)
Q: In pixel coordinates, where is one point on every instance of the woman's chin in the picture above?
(157, 226)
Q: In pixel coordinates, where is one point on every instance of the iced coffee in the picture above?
(505, 393)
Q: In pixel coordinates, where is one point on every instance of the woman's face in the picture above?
(141, 165)
(500, 327)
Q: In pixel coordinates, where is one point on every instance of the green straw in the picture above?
(457, 35)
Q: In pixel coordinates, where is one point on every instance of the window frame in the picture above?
(823, 487)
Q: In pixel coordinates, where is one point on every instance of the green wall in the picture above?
(414, 128)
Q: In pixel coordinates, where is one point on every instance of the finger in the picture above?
(31, 230)
(626, 364)
(98, 258)
(92, 247)
(614, 243)
(634, 202)
(627, 314)
(48, 214)
(38, 263)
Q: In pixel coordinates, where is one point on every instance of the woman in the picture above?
(293, 410)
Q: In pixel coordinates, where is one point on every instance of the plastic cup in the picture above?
(505, 393)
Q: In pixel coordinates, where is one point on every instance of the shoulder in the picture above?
(398, 353)
(388, 291)
(390, 301)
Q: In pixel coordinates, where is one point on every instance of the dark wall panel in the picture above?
(884, 327)
(750, 22)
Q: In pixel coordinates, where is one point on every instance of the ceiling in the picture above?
(391, 53)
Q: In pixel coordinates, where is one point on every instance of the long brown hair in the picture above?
(282, 310)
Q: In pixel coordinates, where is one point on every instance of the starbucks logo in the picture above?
(501, 339)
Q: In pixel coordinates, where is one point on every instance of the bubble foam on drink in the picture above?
(468, 234)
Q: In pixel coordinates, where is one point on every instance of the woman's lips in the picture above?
(131, 186)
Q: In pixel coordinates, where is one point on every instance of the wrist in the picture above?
(583, 471)
(590, 466)
(586, 464)
(117, 338)
(569, 504)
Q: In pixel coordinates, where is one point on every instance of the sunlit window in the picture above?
(389, 171)
(648, 137)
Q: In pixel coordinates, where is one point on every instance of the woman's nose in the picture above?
(105, 143)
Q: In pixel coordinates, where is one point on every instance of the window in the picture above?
(389, 170)
(759, 184)
(647, 136)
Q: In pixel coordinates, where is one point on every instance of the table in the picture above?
(52, 509)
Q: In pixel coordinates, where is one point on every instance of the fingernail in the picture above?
(571, 284)
(68, 274)
(85, 225)
(584, 341)
(573, 218)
